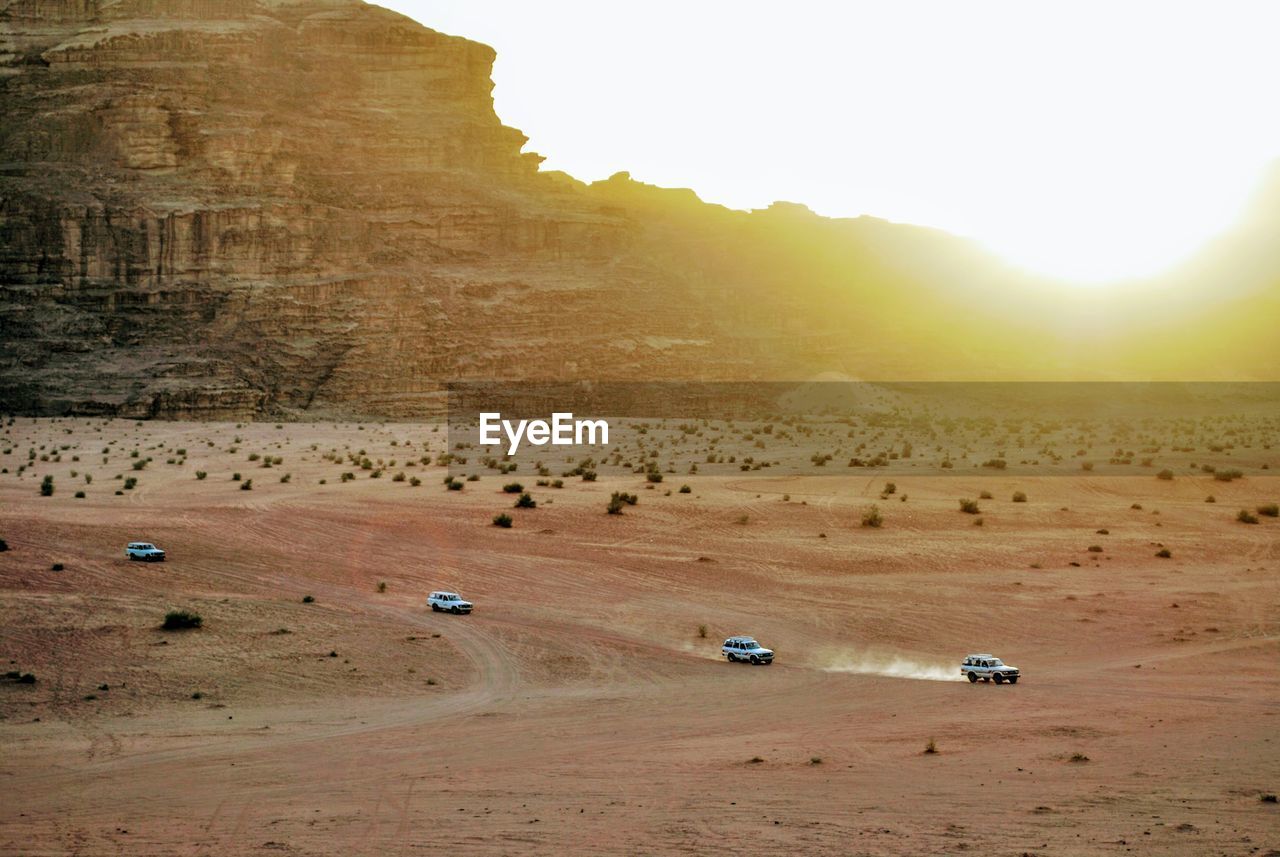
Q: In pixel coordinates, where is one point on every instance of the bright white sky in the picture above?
(1088, 140)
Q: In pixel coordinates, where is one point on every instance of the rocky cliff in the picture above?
(229, 208)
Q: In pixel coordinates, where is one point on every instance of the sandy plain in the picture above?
(580, 709)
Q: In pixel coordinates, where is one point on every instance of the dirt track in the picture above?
(579, 711)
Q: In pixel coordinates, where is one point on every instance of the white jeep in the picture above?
(746, 649)
(448, 602)
(988, 668)
(144, 552)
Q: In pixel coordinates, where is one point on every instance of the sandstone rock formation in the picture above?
(229, 208)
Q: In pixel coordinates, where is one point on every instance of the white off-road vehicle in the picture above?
(988, 668)
(144, 552)
(746, 649)
(448, 602)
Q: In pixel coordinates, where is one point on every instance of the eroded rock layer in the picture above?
(228, 208)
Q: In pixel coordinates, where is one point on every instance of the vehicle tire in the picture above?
(999, 678)
(973, 677)
(435, 608)
(1013, 679)
(731, 658)
(755, 660)
(454, 610)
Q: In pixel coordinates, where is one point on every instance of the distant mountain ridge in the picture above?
(309, 207)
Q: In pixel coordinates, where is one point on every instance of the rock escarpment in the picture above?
(227, 208)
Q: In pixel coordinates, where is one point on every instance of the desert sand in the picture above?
(580, 709)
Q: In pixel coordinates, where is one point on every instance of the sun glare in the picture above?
(1088, 141)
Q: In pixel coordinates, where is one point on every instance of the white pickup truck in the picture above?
(448, 602)
(988, 668)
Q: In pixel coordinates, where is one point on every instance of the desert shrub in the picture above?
(890, 488)
(985, 495)
(1244, 516)
(557, 483)
(455, 485)
(1211, 499)
(685, 489)
(46, 487)
(308, 599)
(588, 476)
(815, 760)
(702, 631)
(246, 485)
(80, 495)
(526, 501)
(399, 477)
(1271, 510)
(4, 546)
(1164, 553)
(1019, 497)
(181, 620)
(1078, 758)
(235, 477)
(872, 517)
(1227, 475)
(57, 566)
(1165, 475)
(200, 474)
(347, 477)
(130, 483)
(996, 463)
(414, 481)
(653, 476)
(615, 506)
(969, 507)
(253, 456)
(503, 520)
(1095, 548)
(513, 488)
(382, 586)
(286, 477)
(930, 747)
